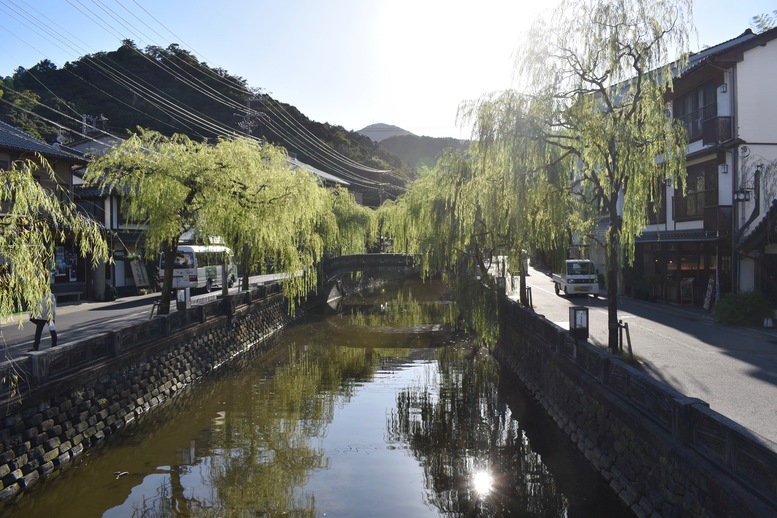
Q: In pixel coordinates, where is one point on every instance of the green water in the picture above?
(380, 410)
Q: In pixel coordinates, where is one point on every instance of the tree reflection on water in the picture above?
(288, 433)
(464, 435)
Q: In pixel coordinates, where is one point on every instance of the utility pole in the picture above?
(248, 120)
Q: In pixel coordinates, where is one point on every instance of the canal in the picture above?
(381, 409)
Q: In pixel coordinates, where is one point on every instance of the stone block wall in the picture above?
(82, 393)
(663, 453)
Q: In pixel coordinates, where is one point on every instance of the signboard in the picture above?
(686, 291)
(139, 273)
(708, 296)
(65, 263)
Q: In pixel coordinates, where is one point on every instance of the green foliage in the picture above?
(764, 22)
(18, 111)
(267, 212)
(742, 309)
(356, 224)
(589, 132)
(238, 189)
(443, 222)
(500, 199)
(34, 223)
(607, 66)
(601, 69)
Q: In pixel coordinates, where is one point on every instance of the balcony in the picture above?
(716, 130)
(692, 206)
(694, 120)
(718, 219)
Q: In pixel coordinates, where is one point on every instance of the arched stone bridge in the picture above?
(337, 268)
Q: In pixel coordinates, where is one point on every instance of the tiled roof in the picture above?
(759, 235)
(709, 54)
(325, 176)
(17, 140)
(82, 191)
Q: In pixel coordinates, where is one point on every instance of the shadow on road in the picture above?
(132, 303)
(756, 347)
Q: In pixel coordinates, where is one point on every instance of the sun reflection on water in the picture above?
(482, 482)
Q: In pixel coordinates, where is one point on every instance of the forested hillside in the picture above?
(169, 90)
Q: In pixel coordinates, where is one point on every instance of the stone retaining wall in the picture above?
(663, 453)
(77, 395)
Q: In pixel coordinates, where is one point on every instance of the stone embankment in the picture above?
(663, 453)
(68, 400)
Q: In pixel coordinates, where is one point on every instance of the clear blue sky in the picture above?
(346, 62)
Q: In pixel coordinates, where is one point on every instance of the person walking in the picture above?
(44, 314)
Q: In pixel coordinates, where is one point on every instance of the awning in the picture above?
(677, 236)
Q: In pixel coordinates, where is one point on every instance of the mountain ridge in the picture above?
(415, 151)
(379, 132)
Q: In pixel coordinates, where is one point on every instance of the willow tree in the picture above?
(356, 224)
(518, 181)
(34, 222)
(604, 67)
(500, 199)
(442, 222)
(270, 213)
(237, 189)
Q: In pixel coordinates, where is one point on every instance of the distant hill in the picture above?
(380, 132)
(418, 151)
(179, 94)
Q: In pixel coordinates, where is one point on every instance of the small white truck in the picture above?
(578, 278)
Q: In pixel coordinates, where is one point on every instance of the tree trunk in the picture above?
(167, 278)
(613, 264)
(246, 271)
(522, 285)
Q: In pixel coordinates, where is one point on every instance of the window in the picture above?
(92, 208)
(701, 192)
(695, 107)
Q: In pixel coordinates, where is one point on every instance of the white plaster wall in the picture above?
(119, 273)
(725, 182)
(746, 274)
(696, 224)
(725, 99)
(755, 96)
(756, 104)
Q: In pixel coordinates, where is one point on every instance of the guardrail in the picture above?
(38, 368)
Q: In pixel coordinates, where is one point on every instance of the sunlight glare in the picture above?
(482, 482)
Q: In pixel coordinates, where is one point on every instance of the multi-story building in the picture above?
(719, 235)
(128, 271)
(72, 274)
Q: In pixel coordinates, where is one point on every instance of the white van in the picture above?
(200, 267)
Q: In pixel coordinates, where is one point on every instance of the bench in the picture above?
(73, 289)
(62, 294)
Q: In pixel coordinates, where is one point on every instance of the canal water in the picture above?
(382, 409)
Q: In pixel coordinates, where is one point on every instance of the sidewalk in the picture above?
(81, 319)
(733, 369)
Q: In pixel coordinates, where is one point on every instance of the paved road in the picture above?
(733, 369)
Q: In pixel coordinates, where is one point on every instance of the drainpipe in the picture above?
(734, 176)
(756, 211)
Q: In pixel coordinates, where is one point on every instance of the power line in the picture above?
(293, 131)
